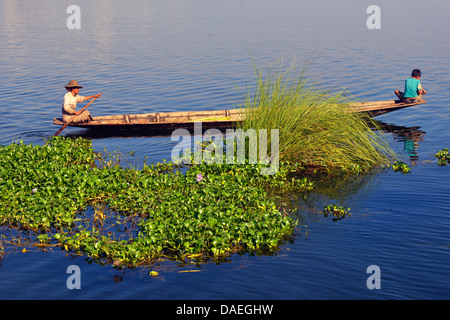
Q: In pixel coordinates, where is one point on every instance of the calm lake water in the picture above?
(149, 56)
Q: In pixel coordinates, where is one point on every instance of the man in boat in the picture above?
(70, 103)
(413, 89)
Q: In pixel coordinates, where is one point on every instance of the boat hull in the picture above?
(169, 121)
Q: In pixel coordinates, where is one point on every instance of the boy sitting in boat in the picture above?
(413, 89)
(70, 103)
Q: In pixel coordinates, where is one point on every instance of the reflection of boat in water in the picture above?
(410, 136)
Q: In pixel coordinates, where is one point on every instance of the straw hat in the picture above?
(73, 84)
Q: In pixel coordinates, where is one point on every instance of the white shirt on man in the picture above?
(69, 104)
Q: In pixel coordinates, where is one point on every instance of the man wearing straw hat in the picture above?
(70, 103)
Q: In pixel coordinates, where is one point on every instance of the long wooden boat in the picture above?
(167, 121)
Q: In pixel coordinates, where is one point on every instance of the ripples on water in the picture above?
(193, 55)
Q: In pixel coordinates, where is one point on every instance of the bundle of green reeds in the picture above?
(315, 126)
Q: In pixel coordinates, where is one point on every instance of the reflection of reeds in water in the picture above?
(342, 189)
(314, 127)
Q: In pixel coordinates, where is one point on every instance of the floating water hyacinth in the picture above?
(402, 167)
(443, 156)
(170, 222)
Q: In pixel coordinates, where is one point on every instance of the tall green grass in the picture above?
(315, 126)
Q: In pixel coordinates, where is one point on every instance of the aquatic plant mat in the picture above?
(83, 202)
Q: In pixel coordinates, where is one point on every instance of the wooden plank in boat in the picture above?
(375, 108)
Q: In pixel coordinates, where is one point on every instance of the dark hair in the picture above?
(416, 73)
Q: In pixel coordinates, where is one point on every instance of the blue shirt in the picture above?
(412, 87)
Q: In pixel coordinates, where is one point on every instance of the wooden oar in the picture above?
(70, 120)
